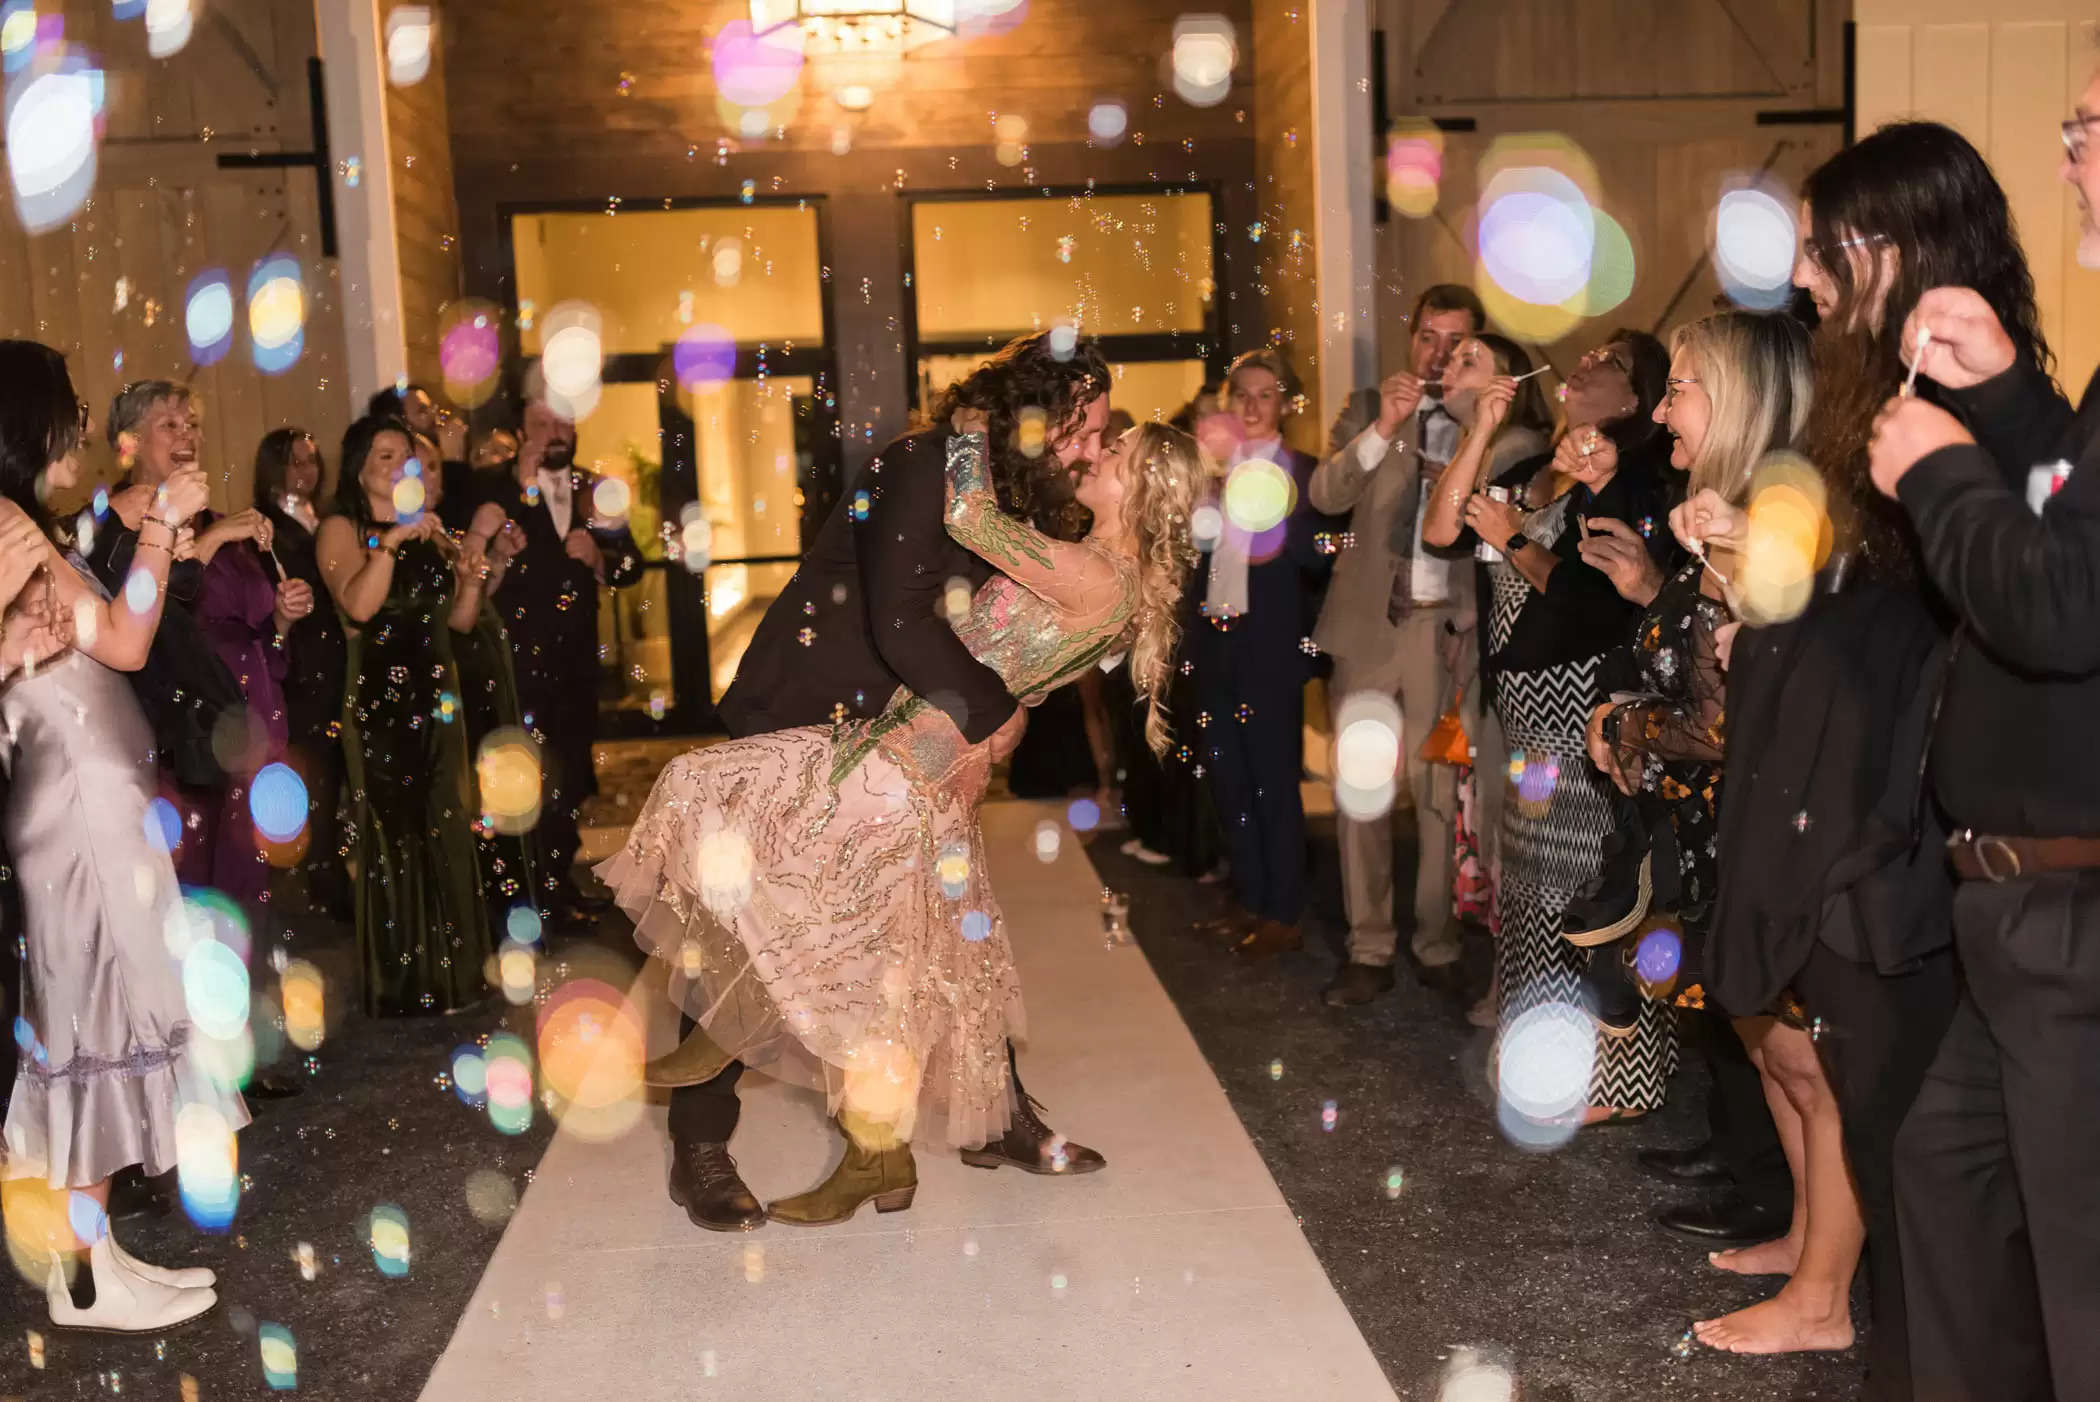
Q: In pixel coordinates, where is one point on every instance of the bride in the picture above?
(821, 893)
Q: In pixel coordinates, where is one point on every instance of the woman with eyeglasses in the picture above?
(1549, 620)
(112, 1067)
(1833, 913)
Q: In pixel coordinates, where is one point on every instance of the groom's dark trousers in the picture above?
(868, 597)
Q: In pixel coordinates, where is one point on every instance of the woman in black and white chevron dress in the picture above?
(1550, 620)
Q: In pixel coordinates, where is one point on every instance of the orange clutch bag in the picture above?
(1446, 743)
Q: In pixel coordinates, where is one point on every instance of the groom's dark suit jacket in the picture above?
(870, 594)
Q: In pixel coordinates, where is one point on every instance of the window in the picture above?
(1133, 269)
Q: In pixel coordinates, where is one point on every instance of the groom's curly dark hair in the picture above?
(1030, 374)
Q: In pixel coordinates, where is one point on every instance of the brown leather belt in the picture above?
(1980, 857)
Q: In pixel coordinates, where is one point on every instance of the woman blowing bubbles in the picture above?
(111, 1057)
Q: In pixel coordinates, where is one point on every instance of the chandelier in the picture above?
(858, 27)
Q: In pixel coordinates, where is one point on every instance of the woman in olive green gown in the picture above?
(411, 599)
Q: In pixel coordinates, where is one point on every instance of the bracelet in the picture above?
(151, 520)
(154, 545)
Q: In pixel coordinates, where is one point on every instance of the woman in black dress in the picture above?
(289, 489)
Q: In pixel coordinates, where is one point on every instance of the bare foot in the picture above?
(1779, 1325)
(1780, 1256)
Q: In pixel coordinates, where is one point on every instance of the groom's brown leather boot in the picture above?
(704, 1182)
(1029, 1143)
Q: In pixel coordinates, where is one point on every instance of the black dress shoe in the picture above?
(1358, 984)
(1031, 1145)
(1728, 1219)
(704, 1182)
(1696, 1165)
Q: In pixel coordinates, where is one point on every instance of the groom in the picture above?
(866, 614)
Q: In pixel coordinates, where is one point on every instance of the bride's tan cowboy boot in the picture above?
(886, 1175)
(694, 1061)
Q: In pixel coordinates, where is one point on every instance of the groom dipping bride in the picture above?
(818, 885)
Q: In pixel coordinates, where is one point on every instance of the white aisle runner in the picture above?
(1177, 1273)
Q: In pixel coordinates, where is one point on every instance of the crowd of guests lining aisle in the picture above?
(1836, 831)
(161, 664)
(1836, 827)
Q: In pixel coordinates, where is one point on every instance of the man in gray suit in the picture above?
(1388, 624)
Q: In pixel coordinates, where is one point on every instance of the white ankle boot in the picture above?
(174, 1277)
(124, 1303)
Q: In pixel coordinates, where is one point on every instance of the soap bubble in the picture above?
(1106, 121)
(277, 313)
(703, 356)
(1543, 1078)
(54, 129)
(407, 45)
(470, 351)
(277, 802)
(168, 26)
(280, 1357)
(208, 316)
(1204, 55)
(508, 771)
(1368, 735)
(1754, 241)
(387, 1231)
(205, 1159)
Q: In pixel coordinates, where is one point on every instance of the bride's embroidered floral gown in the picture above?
(821, 894)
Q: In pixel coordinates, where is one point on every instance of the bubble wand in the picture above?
(1923, 339)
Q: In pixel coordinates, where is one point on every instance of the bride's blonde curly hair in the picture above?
(1165, 473)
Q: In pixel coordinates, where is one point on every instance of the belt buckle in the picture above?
(1979, 848)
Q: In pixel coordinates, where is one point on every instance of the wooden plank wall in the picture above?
(162, 212)
(2004, 79)
(426, 218)
(1663, 95)
(538, 113)
(1283, 175)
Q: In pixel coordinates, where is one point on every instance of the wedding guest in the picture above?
(290, 489)
(406, 593)
(1841, 907)
(110, 1063)
(1389, 624)
(549, 606)
(1247, 644)
(1995, 1162)
(203, 676)
(1551, 620)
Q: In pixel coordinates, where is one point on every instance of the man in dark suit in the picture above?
(549, 606)
(1252, 613)
(862, 617)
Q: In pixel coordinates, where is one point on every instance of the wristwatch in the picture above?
(1515, 543)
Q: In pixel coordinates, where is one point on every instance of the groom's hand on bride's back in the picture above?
(1007, 738)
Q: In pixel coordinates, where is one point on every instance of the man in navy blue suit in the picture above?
(1252, 613)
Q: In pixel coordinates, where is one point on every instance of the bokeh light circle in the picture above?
(703, 356)
(508, 771)
(277, 313)
(277, 802)
(1755, 243)
(754, 70)
(54, 128)
(208, 316)
(1106, 121)
(1258, 495)
(470, 351)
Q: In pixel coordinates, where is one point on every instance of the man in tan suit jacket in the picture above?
(1388, 624)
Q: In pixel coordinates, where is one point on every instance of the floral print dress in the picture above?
(1672, 735)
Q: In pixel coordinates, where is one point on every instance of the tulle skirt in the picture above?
(835, 930)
